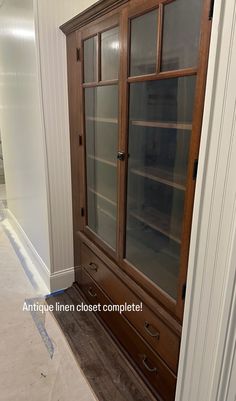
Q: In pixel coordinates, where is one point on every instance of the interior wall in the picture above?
(52, 55)
(21, 124)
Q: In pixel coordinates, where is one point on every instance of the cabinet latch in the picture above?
(195, 166)
(121, 156)
(183, 291)
(211, 10)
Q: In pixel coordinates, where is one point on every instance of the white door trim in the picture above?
(209, 319)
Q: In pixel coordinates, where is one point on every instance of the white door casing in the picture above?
(208, 341)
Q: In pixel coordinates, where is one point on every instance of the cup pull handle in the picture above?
(91, 293)
(145, 364)
(93, 266)
(151, 333)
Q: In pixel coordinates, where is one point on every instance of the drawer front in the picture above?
(165, 342)
(157, 374)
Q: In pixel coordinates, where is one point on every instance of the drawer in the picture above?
(160, 337)
(152, 368)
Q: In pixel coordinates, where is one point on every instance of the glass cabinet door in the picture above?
(101, 133)
(159, 134)
(159, 137)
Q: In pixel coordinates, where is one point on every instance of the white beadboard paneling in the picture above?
(210, 299)
(52, 52)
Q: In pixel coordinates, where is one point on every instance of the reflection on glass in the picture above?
(159, 136)
(181, 34)
(90, 59)
(143, 44)
(110, 54)
(101, 118)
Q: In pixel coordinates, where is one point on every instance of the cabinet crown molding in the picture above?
(97, 9)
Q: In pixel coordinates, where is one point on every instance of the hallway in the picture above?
(34, 354)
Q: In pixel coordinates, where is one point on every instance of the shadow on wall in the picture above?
(2, 177)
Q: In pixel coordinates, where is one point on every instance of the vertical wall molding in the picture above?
(207, 342)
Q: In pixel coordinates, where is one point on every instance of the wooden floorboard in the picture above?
(107, 370)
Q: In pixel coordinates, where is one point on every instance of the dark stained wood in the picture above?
(193, 152)
(99, 58)
(95, 11)
(74, 106)
(167, 343)
(156, 374)
(123, 130)
(131, 284)
(79, 114)
(164, 75)
(159, 38)
(100, 83)
(116, 279)
(109, 373)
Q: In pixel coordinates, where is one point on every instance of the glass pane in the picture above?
(101, 121)
(110, 54)
(159, 136)
(143, 44)
(90, 59)
(181, 34)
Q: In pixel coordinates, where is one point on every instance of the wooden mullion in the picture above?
(100, 83)
(99, 60)
(159, 37)
(163, 75)
(123, 137)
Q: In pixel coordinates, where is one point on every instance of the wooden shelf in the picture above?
(102, 196)
(163, 176)
(160, 222)
(102, 120)
(160, 124)
(100, 159)
(106, 213)
(159, 267)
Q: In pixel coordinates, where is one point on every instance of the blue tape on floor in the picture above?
(38, 318)
(54, 294)
(18, 253)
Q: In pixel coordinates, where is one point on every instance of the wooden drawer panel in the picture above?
(156, 333)
(150, 365)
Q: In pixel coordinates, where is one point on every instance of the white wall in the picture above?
(52, 47)
(21, 124)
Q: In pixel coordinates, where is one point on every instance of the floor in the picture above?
(107, 370)
(36, 362)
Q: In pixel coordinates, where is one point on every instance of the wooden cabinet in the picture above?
(136, 74)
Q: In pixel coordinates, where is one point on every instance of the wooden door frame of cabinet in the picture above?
(103, 10)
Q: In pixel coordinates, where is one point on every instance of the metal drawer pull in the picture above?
(93, 266)
(152, 334)
(144, 361)
(91, 293)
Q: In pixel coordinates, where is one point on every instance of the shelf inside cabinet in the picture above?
(163, 124)
(103, 120)
(161, 175)
(102, 160)
(102, 196)
(160, 222)
(106, 213)
(160, 267)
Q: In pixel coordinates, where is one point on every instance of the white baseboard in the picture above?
(52, 281)
(62, 279)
